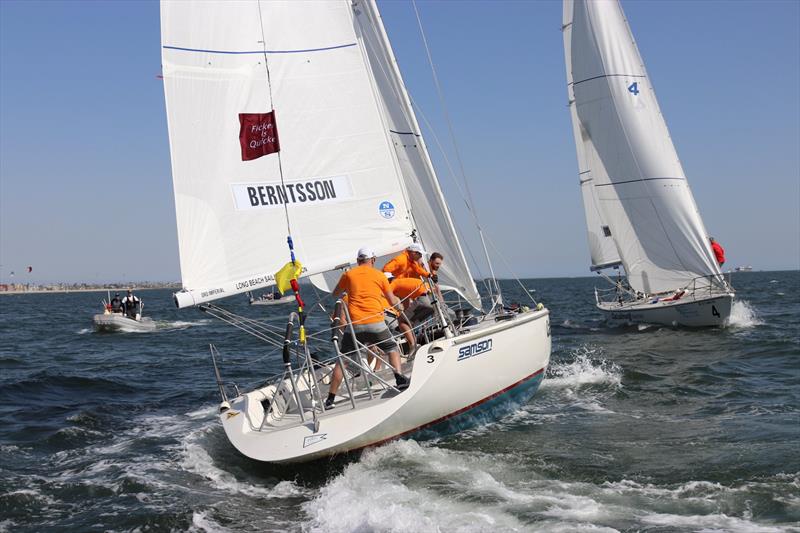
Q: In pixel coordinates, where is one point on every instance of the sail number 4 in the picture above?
(634, 88)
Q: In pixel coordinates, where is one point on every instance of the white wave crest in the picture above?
(201, 523)
(376, 495)
(709, 522)
(197, 460)
(583, 370)
(469, 491)
(743, 315)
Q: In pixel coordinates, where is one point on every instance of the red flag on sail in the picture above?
(258, 135)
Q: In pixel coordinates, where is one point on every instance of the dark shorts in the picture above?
(420, 309)
(377, 334)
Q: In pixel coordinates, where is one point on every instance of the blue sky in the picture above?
(85, 184)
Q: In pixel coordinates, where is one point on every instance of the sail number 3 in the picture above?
(633, 88)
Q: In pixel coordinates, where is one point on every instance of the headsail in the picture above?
(429, 210)
(641, 190)
(336, 174)
(602, 248)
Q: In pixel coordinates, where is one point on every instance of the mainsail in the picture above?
(335, 184)
(633, 185)
(351, 161)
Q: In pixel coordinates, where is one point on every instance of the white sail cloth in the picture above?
(428, 208)
(602, 248)
(342, 180)
(641, 191)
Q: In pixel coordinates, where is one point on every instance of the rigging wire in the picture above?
(272, 106)
(399, 99)
(455, 147)
(516, 278)
(294, 284)
(454, 177)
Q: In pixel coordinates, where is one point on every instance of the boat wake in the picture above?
(584, 369)
(174, 325)
(469, 491)
(743, 315)
(159, 463)
(583, 381)
(577, 326)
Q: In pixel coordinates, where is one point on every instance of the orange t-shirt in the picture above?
(365, 287)
(409, 288)
(403, 266)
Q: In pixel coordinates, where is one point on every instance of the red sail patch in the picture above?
(258, 135)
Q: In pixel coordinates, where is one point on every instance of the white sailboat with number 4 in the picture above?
(290, 117)
(640, 212)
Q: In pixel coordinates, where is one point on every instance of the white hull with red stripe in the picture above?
(496, 365)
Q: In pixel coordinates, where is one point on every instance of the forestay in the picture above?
(429, 211)
(336, 174)
(641, 191)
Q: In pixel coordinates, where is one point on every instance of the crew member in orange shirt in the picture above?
(407, 290)
(408, 264)
(366, 287)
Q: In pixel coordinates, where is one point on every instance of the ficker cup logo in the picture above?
(258, 135)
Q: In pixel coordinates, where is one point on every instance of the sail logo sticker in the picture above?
(386, 209)
(313, 191)
(258, 135)
(476, 348)
(313, 439)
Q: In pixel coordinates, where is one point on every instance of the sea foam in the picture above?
(743, 315)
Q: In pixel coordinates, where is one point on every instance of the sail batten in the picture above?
(638, 192)
(260, 52)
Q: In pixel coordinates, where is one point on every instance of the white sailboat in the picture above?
(640, 212)
(314, 88)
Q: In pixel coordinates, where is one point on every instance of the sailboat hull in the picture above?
(709, 311)
(455, 383)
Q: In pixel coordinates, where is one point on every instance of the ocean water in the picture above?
(634, 429)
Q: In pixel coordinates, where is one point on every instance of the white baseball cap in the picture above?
(416, 248)
(389, 275)
(365, 253)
